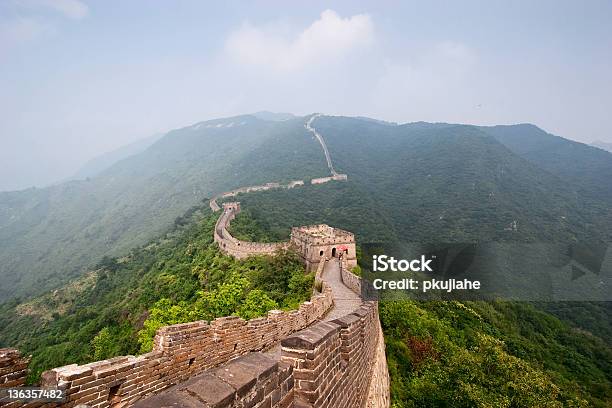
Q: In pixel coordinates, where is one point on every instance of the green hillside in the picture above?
(426, 182)
(179, 277)
(499, 354)
(408, 176)
(414, 182)
(48, 236)
(587, 167)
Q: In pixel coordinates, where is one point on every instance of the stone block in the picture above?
(311, 337)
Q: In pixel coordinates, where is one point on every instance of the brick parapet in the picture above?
(180, 352)
(13, 371)
(378, 392)
(333, 362)
(350, 280)
(341, 364)
(235, 247)
(13, 367)
(253, 380)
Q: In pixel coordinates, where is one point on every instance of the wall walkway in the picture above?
(328, 353)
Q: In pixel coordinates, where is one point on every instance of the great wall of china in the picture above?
(328, 353)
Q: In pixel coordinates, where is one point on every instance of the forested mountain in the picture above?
(418, 181)
(433, 182)
(50, 235)
(102, 162)
(587, 167)
(602, 145)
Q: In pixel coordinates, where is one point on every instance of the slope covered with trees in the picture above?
(50, 235)
(587, 167)
(438, 183)
(423, 182)
(414, 182)
(500, 354)
(179, 277)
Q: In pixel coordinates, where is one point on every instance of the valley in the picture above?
(421, 182)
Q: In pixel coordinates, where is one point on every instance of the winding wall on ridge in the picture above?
(339, 362)
(235, 247)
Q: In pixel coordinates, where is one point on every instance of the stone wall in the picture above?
(264, 187)
(337, 364)
(13, 368)
(378, 393)
(254, 381)
(334, 362)
(341, 363)
(350, 280)
(180, 352)
(13, 371)
(337, 177)
(235, 247)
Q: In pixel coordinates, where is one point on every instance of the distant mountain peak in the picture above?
(102, 162)
(273, 116)
(379, 121)
(602, 145)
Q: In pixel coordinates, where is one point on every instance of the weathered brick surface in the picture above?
(235, 247)
(335, 364)
(250, 381)
(13, 371)
(342, 363)
(378, 392)
(13, 367)
(180, 352)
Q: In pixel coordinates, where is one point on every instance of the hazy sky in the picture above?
(78, 77)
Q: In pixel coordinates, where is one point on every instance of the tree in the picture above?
(102, 345)
(256, 304)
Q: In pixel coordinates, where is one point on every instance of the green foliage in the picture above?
(180, 277)
(102, 345)
(590, 170)
(247, 228)
(164, 313)
(49, 236)
(223, 300)
(256, 304)
(478, 354)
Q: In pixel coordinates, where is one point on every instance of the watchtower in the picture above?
(314, 242)
(234, 205)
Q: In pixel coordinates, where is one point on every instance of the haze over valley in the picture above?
(53, 234)
(193, 196)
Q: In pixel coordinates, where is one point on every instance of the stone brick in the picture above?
(311, 337)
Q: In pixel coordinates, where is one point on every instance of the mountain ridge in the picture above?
(48, 236)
